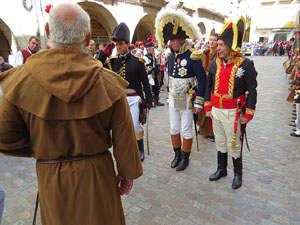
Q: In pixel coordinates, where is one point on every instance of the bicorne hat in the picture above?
(173, 23)
(149, 42)
(121, 33)
(233, 33)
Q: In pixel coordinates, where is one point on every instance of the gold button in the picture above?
(173, 73)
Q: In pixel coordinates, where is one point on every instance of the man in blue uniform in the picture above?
(186, 77)
(132, 69)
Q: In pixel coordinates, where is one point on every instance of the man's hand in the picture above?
(208, 114)
(244, 121)
(149, 68)
(125, 185)
(109, 48)
(196, 110)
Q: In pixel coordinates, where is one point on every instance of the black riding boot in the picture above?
(238, 167)
(184, 162)
(177, 158)
(141, 149)
(222, 167)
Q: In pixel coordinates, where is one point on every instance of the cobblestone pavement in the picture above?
(271, 180)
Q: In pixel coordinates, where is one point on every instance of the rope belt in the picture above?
(60, 160)
(68, 159)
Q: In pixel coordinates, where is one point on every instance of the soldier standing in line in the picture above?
(185, 72)
(132, 69)
(230, 98)
(152, 68)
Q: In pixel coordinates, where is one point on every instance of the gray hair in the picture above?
(69, 25)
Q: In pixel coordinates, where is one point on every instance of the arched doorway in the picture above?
(102, 22)
(5, 40)
(202, 28)
(144, 28)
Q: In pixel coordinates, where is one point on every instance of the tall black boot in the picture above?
(141, 149)
(177, 158)
(238, 167)
(222, 167)
(184, 162)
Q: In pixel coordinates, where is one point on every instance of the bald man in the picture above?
(71, 111)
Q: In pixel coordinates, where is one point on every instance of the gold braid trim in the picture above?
(238, 60)
(207, 103)
(250, 111)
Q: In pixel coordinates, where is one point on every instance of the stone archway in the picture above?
(202, 28)
(5, 40)
(102, 22)
(144, 28)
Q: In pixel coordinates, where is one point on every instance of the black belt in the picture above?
(68, 159)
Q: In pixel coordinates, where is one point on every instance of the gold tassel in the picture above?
(191, 93)
(233, 144)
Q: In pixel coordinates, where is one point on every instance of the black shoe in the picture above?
(293, 118)
(294, 134)
(237, 181)
(294, 111)
(177, 157)
(211, 138)
(294, 129)
(218, 174)
(292, 124)
(159, 104)
(294, 114)
(184, 162)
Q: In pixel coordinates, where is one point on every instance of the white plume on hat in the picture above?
(186, 22)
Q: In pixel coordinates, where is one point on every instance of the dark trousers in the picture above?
(155, 89)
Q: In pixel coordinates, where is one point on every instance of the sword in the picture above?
(195, 125)
(147, 133)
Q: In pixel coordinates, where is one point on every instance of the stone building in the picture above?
(20, 19)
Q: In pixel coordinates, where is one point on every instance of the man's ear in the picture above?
(87, 39)
(47, 30)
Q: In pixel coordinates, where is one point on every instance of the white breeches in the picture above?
(134, 102)
(223, 127)
(181, 118)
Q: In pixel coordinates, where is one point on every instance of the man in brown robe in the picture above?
(205, 123)
(65, 110)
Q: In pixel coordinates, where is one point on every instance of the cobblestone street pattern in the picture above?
(270, 193)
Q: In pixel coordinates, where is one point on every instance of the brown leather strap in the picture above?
(67, 159)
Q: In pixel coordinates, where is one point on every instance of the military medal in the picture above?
(182, 71)
(183, 62)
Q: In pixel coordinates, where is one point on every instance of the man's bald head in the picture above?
(69, 25)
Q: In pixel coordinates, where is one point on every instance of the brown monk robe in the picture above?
(203, 122)
(62, 102)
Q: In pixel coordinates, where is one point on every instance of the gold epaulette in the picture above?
(196, 54)
(142, 60)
